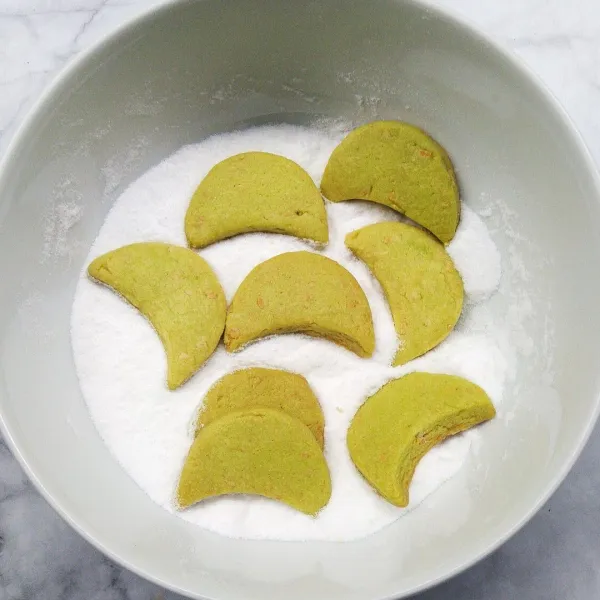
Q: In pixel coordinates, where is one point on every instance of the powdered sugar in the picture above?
(64, 213)
(121, 363)
(472, 241)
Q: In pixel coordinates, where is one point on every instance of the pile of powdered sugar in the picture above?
(121, 363)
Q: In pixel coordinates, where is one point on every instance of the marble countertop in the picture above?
(556, 556)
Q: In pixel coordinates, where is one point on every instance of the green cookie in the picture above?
(177, 292)
(421, 284)
(263, 388)
(407, 417)
(255, 191)
(257, 451)
(301, 292)
(398, 165)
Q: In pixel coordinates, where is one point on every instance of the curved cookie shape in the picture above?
(258, 451)
(398, 165)
(301, 292)
(263, 388)
(423, 288)
(177, 292)
(407, 417)
(255, 191)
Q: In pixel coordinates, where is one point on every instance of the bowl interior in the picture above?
(196, 68)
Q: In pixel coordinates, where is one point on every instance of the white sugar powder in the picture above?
(64, 213)
(121, 363)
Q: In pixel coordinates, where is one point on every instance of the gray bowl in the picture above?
(194, 68)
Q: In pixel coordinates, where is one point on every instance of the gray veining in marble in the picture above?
(555, 557)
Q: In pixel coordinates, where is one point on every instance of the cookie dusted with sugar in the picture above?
(398, 165)
(177, 292)
(406, 418)
(255, 191)
(422, 286)
(258, 451)
(301, 292)
(258, 387)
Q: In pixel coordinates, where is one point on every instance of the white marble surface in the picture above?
(556, 556)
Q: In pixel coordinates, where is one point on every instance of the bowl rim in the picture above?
(77, 64)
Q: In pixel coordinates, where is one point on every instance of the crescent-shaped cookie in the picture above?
(259, 451)
(257, 387)
(177, 292)
(398, 165)
(255, 191)
(301, 292)
(423, 288)
(407, 417)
